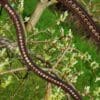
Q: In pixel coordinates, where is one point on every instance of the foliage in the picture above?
(71, 57)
